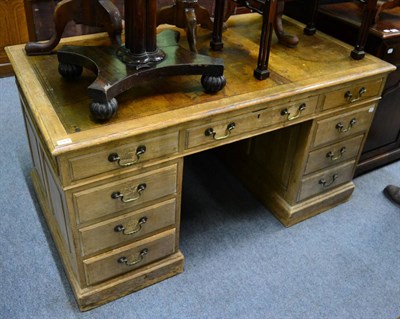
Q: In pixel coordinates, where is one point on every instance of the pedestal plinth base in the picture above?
(114, 76)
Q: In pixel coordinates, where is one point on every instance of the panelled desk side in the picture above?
(111, 192)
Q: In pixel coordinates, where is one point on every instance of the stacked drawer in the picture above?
(126, 211)
(338, 139)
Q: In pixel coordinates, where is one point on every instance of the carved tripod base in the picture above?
(116, 74)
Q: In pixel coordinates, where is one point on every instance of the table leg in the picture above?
(269, 14)
(310, 28)
(284, 38)
(186, 14)
(369, 11)
(100, 13)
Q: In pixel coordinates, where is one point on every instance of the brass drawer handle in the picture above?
(139, 190)
(210, 132)
(349, 97)
(340, 127)
(124, 260)
(114, 157)
(332, 156)
(324, 183)
(301, 108)
(140, 223)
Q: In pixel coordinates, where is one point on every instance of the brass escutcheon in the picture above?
(114, 157)
(301, 108)
(139, 189)
(341, 129)
(332, 156)
(349, 97)
(124, 260)
(210, 132)
(136, 229)
(324, 183)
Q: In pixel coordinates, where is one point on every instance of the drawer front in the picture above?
(326, 180)
(127, 227)
(343, 125)
(219, 131)
(352, 94)
(120, 156)
(129, 192)
(129, 257)
(333, 154)
(288, 112)
(214, 132)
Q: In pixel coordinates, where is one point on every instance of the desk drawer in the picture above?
(127, 227)
(216, 131)
(343, 125)
(129, 192)
(326, 180)
(333, 154)
(352, 94)
(133, 152)
(129, 257)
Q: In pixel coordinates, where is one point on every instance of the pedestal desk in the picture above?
(111, 192)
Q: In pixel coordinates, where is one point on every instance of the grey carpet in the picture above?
(240, 261)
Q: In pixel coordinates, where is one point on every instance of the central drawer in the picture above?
(129, 257)
(218, 130)
(115, 196)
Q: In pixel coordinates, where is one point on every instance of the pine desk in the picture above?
(111, 192)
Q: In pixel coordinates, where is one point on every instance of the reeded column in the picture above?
(140, 34)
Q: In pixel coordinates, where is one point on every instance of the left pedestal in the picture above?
(111, 245)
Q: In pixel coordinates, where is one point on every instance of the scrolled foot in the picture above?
(288, 40)
(104, 111)
(70, 71)
(212, 84)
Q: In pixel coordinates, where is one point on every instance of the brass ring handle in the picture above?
(124, 260)
(114, 157)
(301, 108)
(324, 183)
(210, 132)
(140, 223)
(349, 97)
(332, 156)
(139, 190)
(340, 127)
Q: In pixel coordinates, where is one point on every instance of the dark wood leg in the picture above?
(216, 40)
(370, 8)
(191, 29)
(284, 38)
(269, 14)
(310, 28)
(186, 15)
(100, 13)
